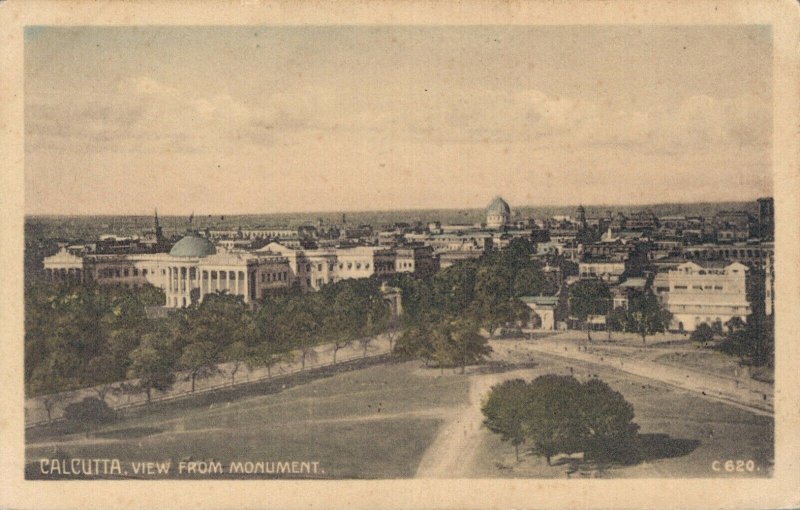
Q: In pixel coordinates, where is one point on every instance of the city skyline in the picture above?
(590, 208)
(262, 120)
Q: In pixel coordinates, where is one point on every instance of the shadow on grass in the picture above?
(128, 433)
(661, 446)
(647, 448)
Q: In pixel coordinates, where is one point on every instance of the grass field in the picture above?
(370, 423)
(377, 421)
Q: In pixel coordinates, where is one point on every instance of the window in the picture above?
(680, 287)
(319, 267)
(144, 272)
(366, 266)
(213, 275)
(125, 272)
(308, 268)
(135, 272)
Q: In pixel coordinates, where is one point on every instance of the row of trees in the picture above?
(643, 316)
(80, 336)
(753, 342)
(558, 414)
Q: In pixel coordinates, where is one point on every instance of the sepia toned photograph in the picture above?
(399, 256)
(393, 252)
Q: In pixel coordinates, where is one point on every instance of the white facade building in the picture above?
(706, 292)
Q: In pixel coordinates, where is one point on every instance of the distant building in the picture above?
(705, 292)
(414, 259)
(448, 258)
(766, 218)
(733, 226)
(498, 214)
(754, 255)
(609, 270)
(543, 311)
(581, 214)
(643, 221)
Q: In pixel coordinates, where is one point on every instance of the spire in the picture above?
(158, 231)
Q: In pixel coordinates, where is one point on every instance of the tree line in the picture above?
(79, 335)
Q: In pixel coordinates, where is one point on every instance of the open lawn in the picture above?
(399, 420)
(370, 423)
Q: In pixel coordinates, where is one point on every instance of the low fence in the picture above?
(36, 412)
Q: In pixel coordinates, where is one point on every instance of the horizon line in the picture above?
(339, 211)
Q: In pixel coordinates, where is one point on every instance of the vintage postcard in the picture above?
(468, 255)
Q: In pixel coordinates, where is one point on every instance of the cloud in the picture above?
(145, 115)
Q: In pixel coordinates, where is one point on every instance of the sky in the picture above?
(122, 120)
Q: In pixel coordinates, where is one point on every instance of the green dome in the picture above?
(193, 245)
(498, 206)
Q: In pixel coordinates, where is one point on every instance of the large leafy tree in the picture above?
(558, 414)
(553, 417)
(588, 298)
(531, 281)
(492, 304)
(277, 324)
(454, 287)
(504, 412)
(615, 321)
(152, 364)
(415, 342)
(754, 343)
(467, 344)
(646, 316)
(235, 355)
(303, 327)
(609, 430)
(199, 360)
(702, 333)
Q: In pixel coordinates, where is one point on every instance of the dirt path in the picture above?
(750, 395)
(452, 453)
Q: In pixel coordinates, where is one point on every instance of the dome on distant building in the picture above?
(193, 245)
(498, 206)
(498, 213)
